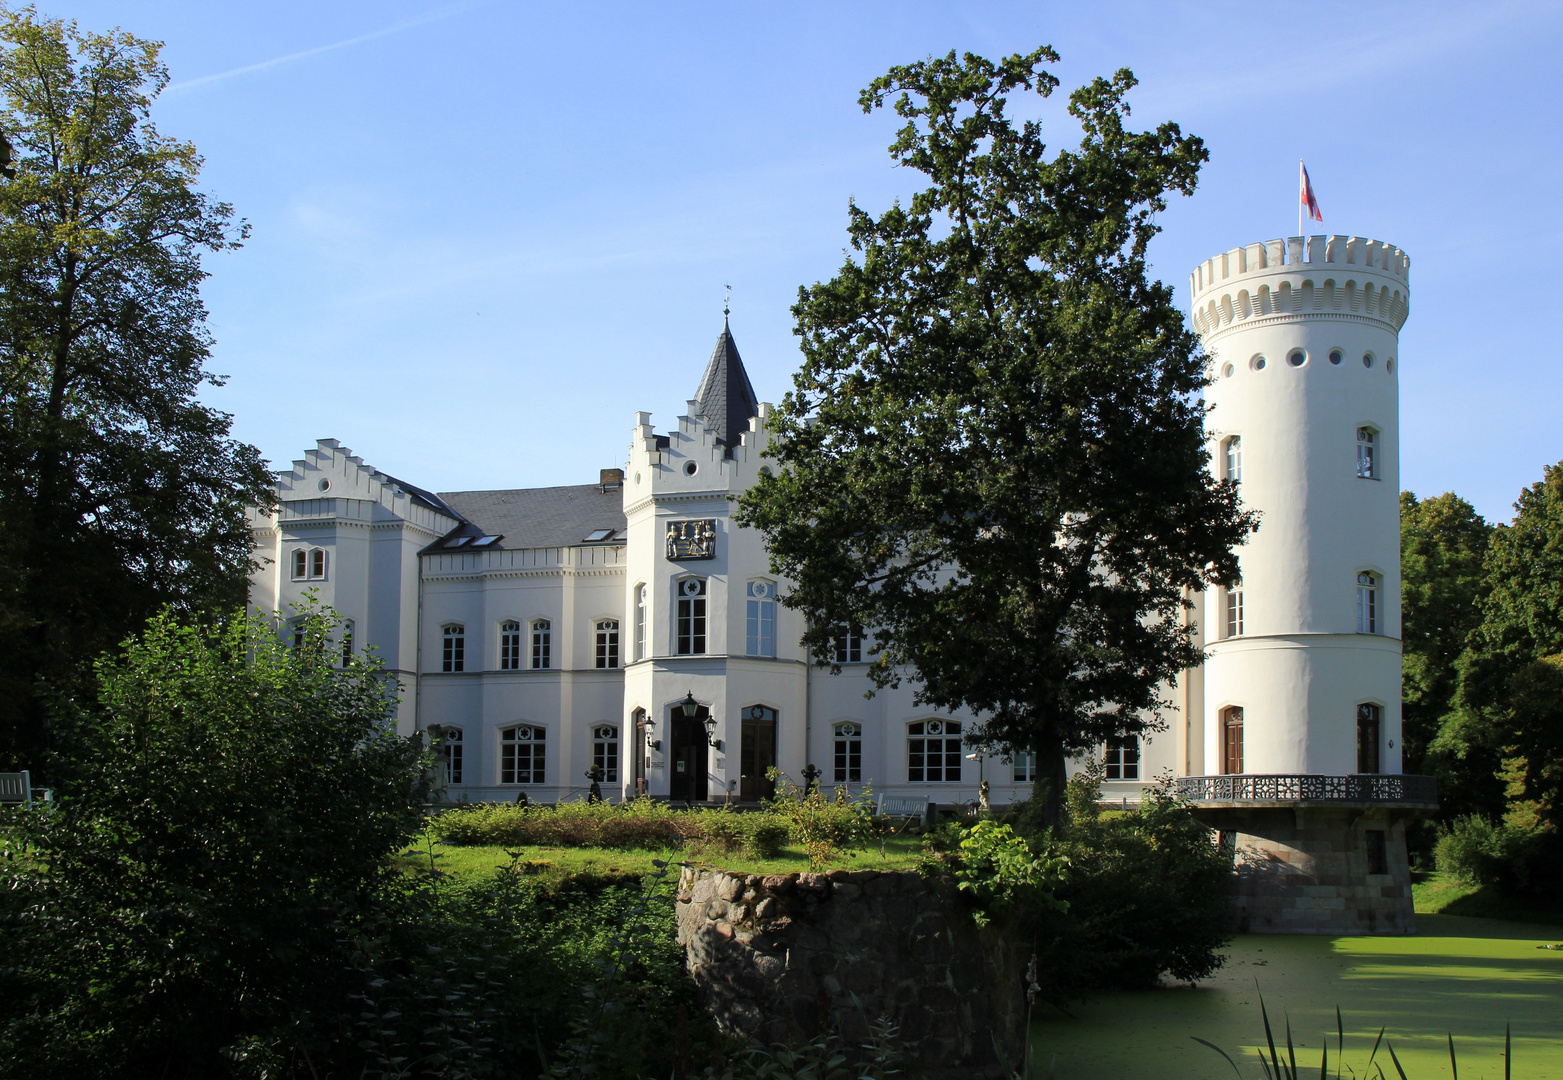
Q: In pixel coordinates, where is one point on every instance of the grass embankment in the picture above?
(1444, 894)
(901, 853)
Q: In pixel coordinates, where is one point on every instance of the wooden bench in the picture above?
(911, 807)
(16, 789)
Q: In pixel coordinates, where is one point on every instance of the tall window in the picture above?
(510, 645)
(1232, 739)
(933, 751)
(608, 643)
(542, 644)
(1367, 603)
(453, 654)
(848, 648)
(605, 752)
(347, 642)
(1025, 768)
(447, 750)
(1123, 757)
(1234, 613)
(849, 752)
(300, 563)
(640, 622)
(1234, 459)
(317, 563)
(690, 632)
(760, 637)
(1367, 463)
(1367, 738)
(298, 633)
(1377, 850)
(522, 754)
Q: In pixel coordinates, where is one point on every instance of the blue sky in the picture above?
(485, 234)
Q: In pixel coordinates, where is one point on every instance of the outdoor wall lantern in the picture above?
(652, 743)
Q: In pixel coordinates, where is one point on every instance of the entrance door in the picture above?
(688, 757)
(758, 756)
(1367, 738)
(1232, 739)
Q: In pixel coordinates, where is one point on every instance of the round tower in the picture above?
(1301, 718)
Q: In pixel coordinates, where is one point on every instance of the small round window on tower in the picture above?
(1389, 365)
(1367, 359)
(1297, 358)
(637, 479)
(1257, 363)
(1336, 356)
(1226, 371)
(324, 485)
(690, 468)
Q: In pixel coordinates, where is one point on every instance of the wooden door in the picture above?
(688, 758)
(1232, 739)
(757, 756)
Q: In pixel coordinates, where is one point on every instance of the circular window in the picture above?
(1257, 363)
(690, 468)
(765, 470)
(324, 485)
(1389, 365)
(1297, 358)
(1367, 359)
(935, 727)
(637, 479)
(690, 587)
(1336, 356)
(1226, 371)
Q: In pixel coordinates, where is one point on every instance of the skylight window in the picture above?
(457, 542)
(484, 541)
(598, 534)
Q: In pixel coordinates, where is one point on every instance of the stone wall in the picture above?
(782, 955)
(1307, 871)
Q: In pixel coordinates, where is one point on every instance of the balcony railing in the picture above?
(1360, 788)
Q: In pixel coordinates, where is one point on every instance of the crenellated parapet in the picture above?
(1345, 277)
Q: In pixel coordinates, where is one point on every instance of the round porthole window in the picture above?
(324, 485)
(1336, 356)
(1389, 365)
(1257, 363)
(1297, 358)
(690, 587)
(1226, 371)
(1367, 359)
(690, 468)
(765, 470)
(637, 479)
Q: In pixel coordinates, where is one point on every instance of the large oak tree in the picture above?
(994, 456)
(119, 490)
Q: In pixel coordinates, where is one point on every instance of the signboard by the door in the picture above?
(692, 539)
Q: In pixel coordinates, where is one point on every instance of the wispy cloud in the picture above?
(304, 54)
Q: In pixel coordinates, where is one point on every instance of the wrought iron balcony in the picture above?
(1359, 789)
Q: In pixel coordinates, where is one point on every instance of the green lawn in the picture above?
(1462, 975)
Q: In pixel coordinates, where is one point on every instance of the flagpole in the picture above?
(1300, 167)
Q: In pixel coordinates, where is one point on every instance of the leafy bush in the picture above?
(995, 868)
(1520, 854)
(821, 826)
(642, 823)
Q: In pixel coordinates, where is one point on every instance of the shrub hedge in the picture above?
(643, 823)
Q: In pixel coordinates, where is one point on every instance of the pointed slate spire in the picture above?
(725, 398)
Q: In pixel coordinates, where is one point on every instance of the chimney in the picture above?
(610, 479)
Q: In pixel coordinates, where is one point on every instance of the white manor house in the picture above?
(631, 626)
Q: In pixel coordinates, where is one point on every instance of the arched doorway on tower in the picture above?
(757, 753)
(688, 746)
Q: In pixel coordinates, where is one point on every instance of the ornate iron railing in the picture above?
(1297, 788)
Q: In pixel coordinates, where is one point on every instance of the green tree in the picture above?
(1443, 542)
(994, 456)
(119, 491)
(238, 806)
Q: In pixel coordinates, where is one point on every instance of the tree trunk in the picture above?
(1052, 778)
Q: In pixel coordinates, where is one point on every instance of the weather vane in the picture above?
(727, 299)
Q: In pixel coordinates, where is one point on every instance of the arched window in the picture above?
(1234, 619)
(317, 563)
(605, 752)
(1368, 728)
(1367, 603)
(849, 752)
(690, 630)
(760, 635)
(522, 754)
(300, 564)
(933, 752)
(542, 644)
(446, 743)
(510, 645)
(640, 621)
(1123, 757)
(608, 643)
(347, 642)
(1232, 459)
(1232, 739)
(848, 646)
(453, 653)
(1367, 456)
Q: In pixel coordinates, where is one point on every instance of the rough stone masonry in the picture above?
(784, 955)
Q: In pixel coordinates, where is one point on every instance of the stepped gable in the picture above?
(543, 517)
(725, 398)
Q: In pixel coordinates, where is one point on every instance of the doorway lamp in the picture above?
(652, 743)
(691, 710)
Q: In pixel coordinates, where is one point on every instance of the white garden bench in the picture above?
(914, 807)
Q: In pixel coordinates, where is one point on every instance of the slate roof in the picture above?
(427, 498)
(540, 517)
(725, 398)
